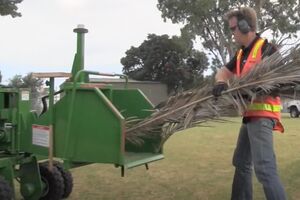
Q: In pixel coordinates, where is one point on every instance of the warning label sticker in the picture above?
(40, 135)
(25, 95)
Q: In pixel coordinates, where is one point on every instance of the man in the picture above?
(255, 141)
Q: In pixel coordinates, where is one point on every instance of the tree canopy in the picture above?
(9, 7)
(170, 60)
(204, 18)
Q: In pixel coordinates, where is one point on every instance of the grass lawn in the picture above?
(197, 165)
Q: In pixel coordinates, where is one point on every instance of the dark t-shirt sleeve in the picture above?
(231, 64)
(268, 49)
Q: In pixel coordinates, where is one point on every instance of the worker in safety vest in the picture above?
(255, 141)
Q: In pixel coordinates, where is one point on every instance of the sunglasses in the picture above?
(233, 28)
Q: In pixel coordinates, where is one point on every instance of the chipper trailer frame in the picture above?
(86, 125)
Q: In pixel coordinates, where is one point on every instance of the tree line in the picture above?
(203, 20)
(174, 60)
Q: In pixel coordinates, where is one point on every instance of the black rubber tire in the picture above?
(6, 192)
(54, 183)
(68, 179)
(294, 113)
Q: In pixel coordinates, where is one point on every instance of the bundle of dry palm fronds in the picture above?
(196, 106)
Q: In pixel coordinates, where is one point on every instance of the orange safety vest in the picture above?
(267, 106)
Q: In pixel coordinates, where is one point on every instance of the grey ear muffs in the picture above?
(243, 26)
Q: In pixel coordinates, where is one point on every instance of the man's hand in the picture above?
(219, 88)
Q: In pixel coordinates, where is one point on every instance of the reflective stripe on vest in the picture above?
(258, 45)
(238, 62)
(264, 107)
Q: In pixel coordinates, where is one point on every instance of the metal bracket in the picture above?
(8, 125)
(122, 171)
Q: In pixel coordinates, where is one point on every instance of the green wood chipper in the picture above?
(86, 125)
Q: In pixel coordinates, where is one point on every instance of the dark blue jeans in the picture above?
(255, 146)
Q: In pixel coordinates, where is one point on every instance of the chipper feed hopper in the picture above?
(86, 125)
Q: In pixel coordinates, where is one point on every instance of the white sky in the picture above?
(42, 40)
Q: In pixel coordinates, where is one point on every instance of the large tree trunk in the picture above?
(258, 5)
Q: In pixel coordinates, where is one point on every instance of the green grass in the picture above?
(197, 165)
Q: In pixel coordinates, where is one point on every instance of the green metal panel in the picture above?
(30, 179)
(95, 129)
(26, 119)
(24, 116)
(136, 159)
(26, 141)
(6, 118)
(132, 102)
(14, 109)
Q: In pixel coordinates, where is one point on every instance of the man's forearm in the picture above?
(223, 75)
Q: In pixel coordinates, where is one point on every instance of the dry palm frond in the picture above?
(194, 107)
